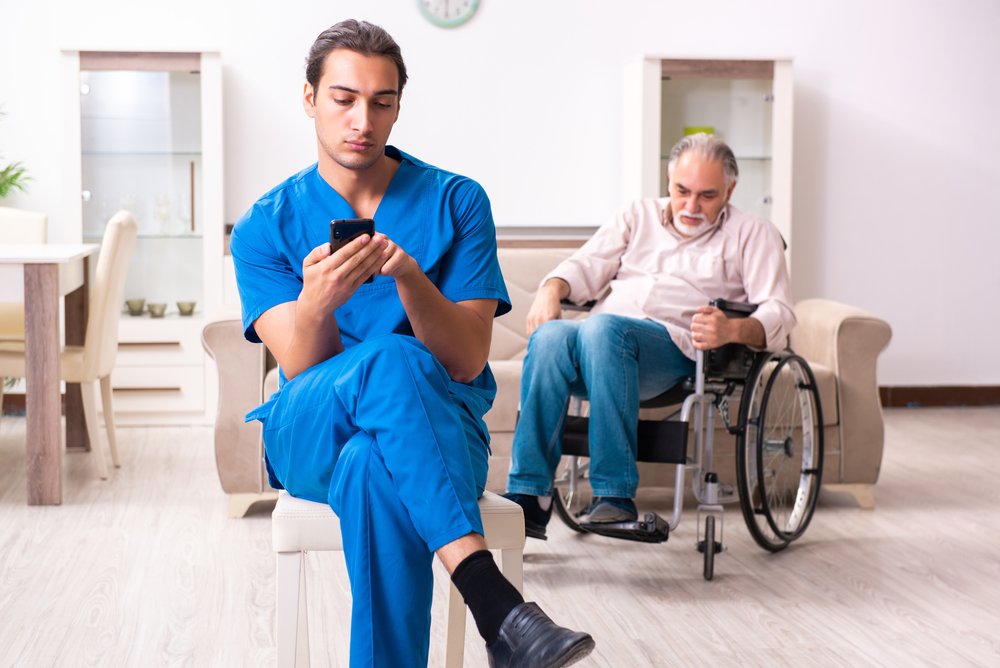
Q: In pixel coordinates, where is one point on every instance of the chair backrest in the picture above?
(18, 226)
(101, 342)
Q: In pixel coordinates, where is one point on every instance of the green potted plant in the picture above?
(13, 176)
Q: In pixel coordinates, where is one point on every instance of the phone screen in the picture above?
(342, 231)
(345, 230)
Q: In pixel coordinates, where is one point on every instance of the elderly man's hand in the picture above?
(710, 328)
(546, 305)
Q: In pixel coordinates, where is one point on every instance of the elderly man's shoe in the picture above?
(535, 518)
(609, 509)
(529, 639)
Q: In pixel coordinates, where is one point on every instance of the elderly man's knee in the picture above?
(553, 334)
(599, 330)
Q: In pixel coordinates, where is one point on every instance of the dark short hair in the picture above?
(709, 147)
(365, 38)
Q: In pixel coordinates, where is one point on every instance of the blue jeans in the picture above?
(615, 362)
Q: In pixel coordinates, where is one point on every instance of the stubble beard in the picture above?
(352, 161)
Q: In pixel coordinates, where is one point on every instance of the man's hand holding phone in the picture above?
(332, 273)
(394, 261)
(331, 276)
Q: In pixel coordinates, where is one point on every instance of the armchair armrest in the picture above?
(848, 340)
(239, 456)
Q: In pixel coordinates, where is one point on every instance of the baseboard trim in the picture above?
(939, 395)
(892, 397)
(13, 404)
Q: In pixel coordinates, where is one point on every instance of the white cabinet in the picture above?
(144, 133)
(748, 103)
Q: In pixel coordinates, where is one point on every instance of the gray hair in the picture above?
(709, 147)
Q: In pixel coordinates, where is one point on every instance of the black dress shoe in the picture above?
(535, 518)
(529, 639)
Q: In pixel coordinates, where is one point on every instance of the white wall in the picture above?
(896, 135)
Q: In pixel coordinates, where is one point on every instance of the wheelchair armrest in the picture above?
(567, 305)
(733, 309)
(732, 361)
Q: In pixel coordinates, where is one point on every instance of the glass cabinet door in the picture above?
(141, 151)
(736, 110)
(748, 103)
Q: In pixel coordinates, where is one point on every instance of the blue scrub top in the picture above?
(442, 220)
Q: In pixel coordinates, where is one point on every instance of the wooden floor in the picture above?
(147, 570)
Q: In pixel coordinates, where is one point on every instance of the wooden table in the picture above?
(38, 275)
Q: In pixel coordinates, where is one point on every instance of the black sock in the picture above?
(489, 595)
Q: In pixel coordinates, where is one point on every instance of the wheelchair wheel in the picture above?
(708, 548)
(779, 450)
(572, 496)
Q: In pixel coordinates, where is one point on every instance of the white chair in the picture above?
(92, 362)
(299, 526)
(18, 227)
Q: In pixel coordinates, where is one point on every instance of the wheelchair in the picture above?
(779, 449)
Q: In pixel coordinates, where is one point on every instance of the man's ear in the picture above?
(399, 103)
(730, 189)
(309, 100)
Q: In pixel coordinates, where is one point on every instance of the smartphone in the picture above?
(344, 230)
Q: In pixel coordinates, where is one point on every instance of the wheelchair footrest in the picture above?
(651, 529)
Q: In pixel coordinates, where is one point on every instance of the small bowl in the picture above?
(156, 310)
(135, 306)
(185, 308)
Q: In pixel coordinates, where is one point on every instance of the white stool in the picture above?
(299, 526)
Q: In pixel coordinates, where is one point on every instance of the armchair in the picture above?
(841, 343)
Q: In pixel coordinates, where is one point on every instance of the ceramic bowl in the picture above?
(157, 310)
(185, 308)
(135, 306)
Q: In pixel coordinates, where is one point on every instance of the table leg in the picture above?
(44, 442)
(76, 325)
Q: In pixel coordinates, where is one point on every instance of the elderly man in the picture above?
(653, 269)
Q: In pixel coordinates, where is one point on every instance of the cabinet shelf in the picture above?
(175, 154)
(739, 158)
(91, 237)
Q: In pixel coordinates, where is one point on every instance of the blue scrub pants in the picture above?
(375, 433)
(615, 362)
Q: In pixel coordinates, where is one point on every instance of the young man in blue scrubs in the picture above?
(384, 383)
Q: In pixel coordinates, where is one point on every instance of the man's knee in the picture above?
(397, 351)
(553, 335)
(600, 331)
(393, 344)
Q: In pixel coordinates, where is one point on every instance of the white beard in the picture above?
(691, 230)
